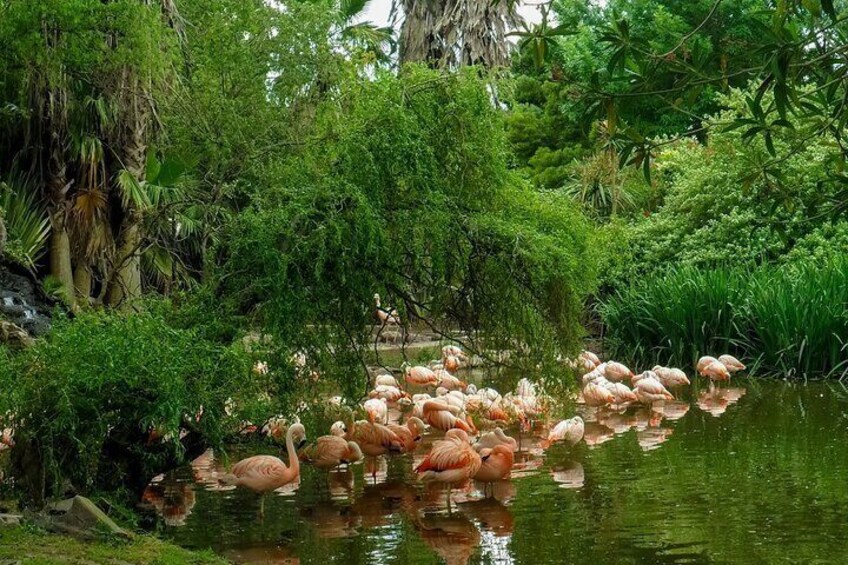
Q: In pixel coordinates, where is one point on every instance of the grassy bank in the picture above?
(789, 319)
(31, 546)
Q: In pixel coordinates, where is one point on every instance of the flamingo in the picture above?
(703, 362)
(570, 430)
(386, 380)
(494, 438)
(596, 395)
(264, 473)
(409, 434)
(438, 414)
(620, 391)
(733, 364)
(449, 381)
(420, 376)
(451, 460)
(649, 390)
(388, 392)
(617, 372)
(496, 464)
(331, 451)
(714, 370)
(525, 388)
(671, 378)
(377, 410)
(590, 356)
(387, 316)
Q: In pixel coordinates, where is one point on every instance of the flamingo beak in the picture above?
(302, 444)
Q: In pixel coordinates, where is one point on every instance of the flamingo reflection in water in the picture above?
(569, 476)
(173, 501)
(716, 401)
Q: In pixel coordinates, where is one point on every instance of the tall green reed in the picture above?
(791, 319)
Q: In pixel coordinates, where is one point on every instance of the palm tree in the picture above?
(452, 33)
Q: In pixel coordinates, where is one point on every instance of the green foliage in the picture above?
(408, 196)
(790, 319)
(716, 211)
(27, 225)
(88, 396)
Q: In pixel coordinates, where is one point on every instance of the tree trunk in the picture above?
(60, 255)
(82, 284)
(125, 288)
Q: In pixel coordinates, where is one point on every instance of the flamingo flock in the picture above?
(396, 415)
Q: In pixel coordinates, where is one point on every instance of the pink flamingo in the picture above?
(264, 473)
(451, 460)
(409, 434)
(420, 376)
(441, 416)
(496, 464)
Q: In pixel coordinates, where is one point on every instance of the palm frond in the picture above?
(27, 223)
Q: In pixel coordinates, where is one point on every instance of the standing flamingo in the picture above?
(264, 473)
(451, 460)
(331, 451)
(671, 378)
(496, 464)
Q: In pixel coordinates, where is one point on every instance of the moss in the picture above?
(32, 546)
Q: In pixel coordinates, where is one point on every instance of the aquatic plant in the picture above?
(790, 318)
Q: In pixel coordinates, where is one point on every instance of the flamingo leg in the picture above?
(449, 498)
(262, 506)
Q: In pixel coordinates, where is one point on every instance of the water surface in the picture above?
(757, 474)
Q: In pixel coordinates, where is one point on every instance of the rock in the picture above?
(22, 302)
(10, 519)
(14, 336)
(78, 517)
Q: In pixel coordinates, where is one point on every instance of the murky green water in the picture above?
(758, 474)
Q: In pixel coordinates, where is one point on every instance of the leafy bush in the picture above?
(790, 318)
(718, 210)
(409, 196)
(85, 400)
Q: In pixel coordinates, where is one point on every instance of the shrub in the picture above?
(85, 400)
(717, 210)
(789, 319)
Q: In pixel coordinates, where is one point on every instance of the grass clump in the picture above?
(31, 546)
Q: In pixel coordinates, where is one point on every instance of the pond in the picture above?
(757, 473)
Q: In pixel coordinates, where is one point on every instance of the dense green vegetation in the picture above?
(202, 185)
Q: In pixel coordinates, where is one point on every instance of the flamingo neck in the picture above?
(294, 462)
